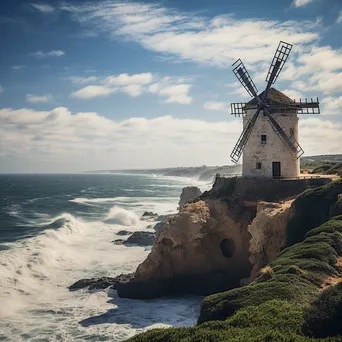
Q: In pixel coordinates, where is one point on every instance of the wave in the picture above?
(122, 217)
(26, 263)
(92, 201)
(13, 210)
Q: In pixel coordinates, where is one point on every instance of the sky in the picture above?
(148, 84)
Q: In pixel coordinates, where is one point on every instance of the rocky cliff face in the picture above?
(228, 236)
(189, 193)
(203, 249)
(268, 233)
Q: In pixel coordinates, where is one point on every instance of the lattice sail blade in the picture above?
(299, 107)
(238, 108)
(307, 107)
(242, 141)
(279, 59)
(290, 142)
(245, 79)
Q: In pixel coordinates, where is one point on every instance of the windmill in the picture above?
(269, 142)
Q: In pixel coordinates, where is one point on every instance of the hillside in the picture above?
(326, 164)
(296, 297)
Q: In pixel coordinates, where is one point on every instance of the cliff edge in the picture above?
(220, 239)
(297, 296)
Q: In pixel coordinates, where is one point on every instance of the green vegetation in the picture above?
(312, 208)
(324, 317)
(323, 167)
(288, 304)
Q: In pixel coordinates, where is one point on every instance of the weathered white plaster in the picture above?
(274, 150)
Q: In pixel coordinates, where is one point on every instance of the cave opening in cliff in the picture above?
(227, 248)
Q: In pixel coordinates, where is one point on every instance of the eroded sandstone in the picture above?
(206, 244)
(268, 233)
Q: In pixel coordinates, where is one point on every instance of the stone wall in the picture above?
(261, 189)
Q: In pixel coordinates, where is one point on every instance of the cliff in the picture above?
(202, 250)
(268, 233)
(209, 247)
(293, 298)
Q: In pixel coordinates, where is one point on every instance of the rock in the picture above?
(160, 225)
(141, 239)
(198, 285)
(201, 250)
(124, 232)
(164, 218)
(149, 215)
(189, 193)
(93, 283)
(101, 283)
(118, 241)
(268, 233)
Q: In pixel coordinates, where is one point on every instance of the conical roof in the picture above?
(274, 97)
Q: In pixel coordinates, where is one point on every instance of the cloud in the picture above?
(299, 3)
(125, 79)
(321, 58)
(218, 41)
(216, 106)
(38, 99)
(44, 8)
(53, 53)
(133, 90)
(339, 19)
(332, 106)
(93, 91)
(82, 80)
(1, 89)
(293, 94)
(60, 141)
(319, 136)
(177, 93)
(326, 82)
(319, 69)
(18, 67)
(172, 89)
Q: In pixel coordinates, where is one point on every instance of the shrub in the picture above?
(324, 317)
(312, 208)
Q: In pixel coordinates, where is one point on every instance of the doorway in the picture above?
(276, 170)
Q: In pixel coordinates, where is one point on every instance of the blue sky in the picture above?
(122, 84)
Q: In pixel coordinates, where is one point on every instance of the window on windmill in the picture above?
(264, 139)
(291, 132)
(258, 166)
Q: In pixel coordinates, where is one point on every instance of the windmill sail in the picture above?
(238, 108)
(269, 101)
(245, 79)
(301, 107)
(279, 59)
(292, 145)
(241, 143)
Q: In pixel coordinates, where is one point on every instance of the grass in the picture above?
(286, 305)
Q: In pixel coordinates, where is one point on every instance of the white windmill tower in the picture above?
(269, 140)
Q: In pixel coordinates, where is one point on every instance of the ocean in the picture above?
(57, 229)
